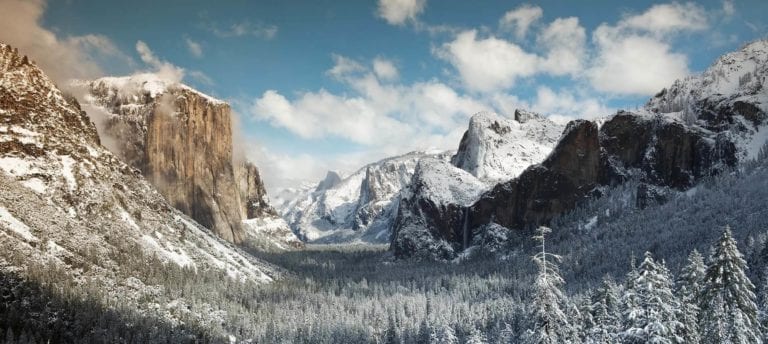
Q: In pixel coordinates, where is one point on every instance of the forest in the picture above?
(611, 272)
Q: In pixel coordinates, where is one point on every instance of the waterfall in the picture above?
(465, 231)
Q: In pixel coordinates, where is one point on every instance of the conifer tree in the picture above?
(551, 324)
(652, 315)
(728, 309)
(689, 292)
(606, 313)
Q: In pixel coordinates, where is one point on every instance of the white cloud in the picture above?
(385, 69)
(163, 69)
(567, 104)
(668, 18)
(398, 12)
(635, 55)
(194, 48)
(487, 64)
(520, 19)
(375, 114)
(344, 66)
(565, 42)
(62, 58)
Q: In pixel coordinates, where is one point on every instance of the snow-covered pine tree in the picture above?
(443, 333)
(551, 324)
(653, 315)
(476, 337)
(728, 309)
(606, 313)
(689, 290)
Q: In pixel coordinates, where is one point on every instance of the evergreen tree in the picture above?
(476, 337)
(551, 324)
(443, 333)
(728, 309)
(653, 315)
(689, 291)
(606, 313)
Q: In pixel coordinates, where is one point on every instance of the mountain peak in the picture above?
(495, 148)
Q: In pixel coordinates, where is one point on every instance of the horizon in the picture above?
(337, 85)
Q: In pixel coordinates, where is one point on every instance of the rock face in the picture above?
(252, 192)
(550, 188)
(359, 207)
(496, 149)
(69, 202)
(181, 141)
(431, 213)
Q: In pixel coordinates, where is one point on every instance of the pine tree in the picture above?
(606, 313)
(652, 315)
(443, 333)
(689, 292)
(476, 337)
(551, 324)
(728, 309)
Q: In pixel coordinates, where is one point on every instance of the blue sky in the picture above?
(335, 84)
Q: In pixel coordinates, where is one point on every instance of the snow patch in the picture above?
(17, 226)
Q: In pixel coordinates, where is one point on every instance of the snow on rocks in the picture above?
(496, 149)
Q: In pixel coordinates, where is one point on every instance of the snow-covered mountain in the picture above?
(700, 126)
(435, 198)
(359, 207)
(181, 140)
(730, 94)
(496, 149)
(70, 208)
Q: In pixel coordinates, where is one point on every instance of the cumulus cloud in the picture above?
(375, 114)
(194, 48)
(399, 12)
(62, 58)
(635, 55)
(668, 18)
(385, 69)
(487, 64)
(520, 19)
(565, 42)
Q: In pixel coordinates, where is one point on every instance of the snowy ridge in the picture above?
(357, 208)
(131, 89)
(496, 149)
(734, 84)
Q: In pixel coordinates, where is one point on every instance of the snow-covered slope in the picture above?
(359, 207)
(71, 205)
(730, 95)
(496, 149)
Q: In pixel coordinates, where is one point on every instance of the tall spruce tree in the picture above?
(551, 324)
(690, 285)
(728, 308)
(652, 315)
(606, 313)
